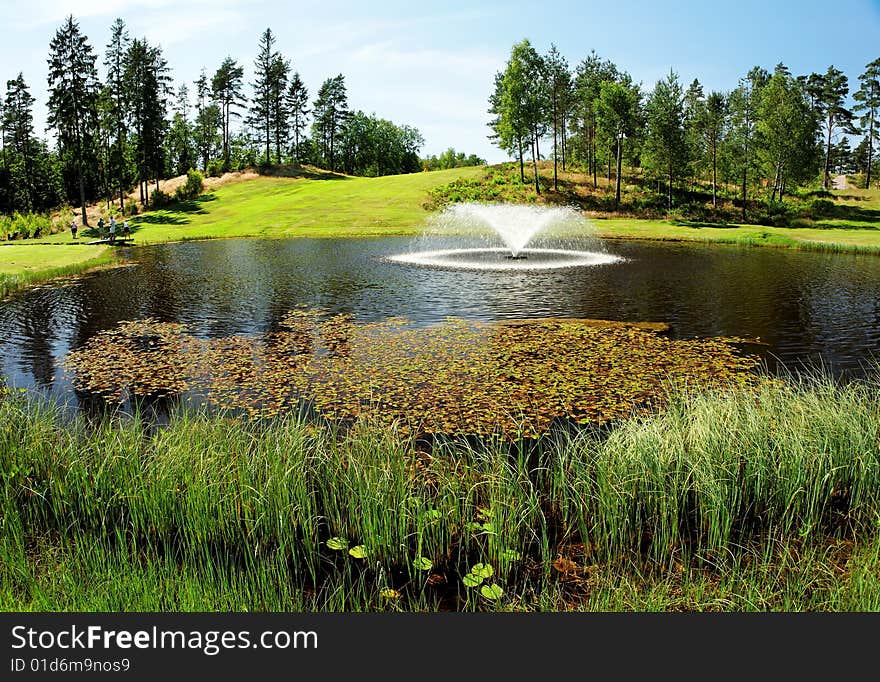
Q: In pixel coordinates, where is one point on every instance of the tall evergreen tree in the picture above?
(261, 113)
(666, 144)
(208, 122)
(117, 111)
(181, 157)
(149, 87)
(296, 105)
(740, 141)
(279, 72)
(329, 115)
(868, 104)
(18, 135)
(831, 98)
(73, 101)
(711, 126)
(590, 74)
(558, 88)
(226, 91)
(617, 115)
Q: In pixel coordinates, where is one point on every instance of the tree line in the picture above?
(776, 131)
(133, 128)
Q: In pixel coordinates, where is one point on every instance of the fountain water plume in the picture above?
(516, 226)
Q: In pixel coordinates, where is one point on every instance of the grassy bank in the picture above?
(729, 501)
(29, 263)
(808, 239)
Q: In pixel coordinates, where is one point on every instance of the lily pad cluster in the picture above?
(459, 376)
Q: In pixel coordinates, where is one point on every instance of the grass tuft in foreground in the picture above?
(732, 500)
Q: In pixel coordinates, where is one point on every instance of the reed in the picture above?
(762, 498)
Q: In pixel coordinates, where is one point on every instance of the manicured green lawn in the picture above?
(284, 207)
(26, 257)
(867, 238)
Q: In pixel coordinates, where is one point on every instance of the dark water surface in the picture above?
(809, 308)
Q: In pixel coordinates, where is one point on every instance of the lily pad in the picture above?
(423, 564)
(471, 580)
(493, 592)
(358, 552)
(482, 570)
(337, 544)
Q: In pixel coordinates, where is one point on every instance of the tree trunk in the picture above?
(619, 164)
(669, 189)
(535, 164)
(609, 169)
(563, 143)
(522, 170)
(745, 180)
(870, 150)
(714, 175)
(826, 182)
(555, 131)
(268, 142)
(593, 156)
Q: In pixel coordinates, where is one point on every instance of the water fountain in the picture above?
(516, 226)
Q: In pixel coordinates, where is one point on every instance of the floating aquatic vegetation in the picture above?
(455, 377)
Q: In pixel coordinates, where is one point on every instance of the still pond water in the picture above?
(809, 308)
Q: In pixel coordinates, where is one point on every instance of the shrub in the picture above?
(215, 168)
(131, 207)
(5, 227)
(821, 208)
(194, 183)
(159, 199)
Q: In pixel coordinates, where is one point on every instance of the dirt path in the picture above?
(839, 182)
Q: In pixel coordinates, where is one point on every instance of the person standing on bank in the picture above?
(112, 230)
(73, 227)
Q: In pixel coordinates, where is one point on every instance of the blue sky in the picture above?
(431, 64)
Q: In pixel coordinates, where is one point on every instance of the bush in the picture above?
(5, 227)
(159, 199)
(131, 207)
(821, 207)
(192, 188)
(215, 168)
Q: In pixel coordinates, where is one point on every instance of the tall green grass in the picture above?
(767, 499)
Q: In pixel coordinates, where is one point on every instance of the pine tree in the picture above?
(208, 122)
(18, 135)
(330, 113)
(617, 116)
(296, 104)
(831, 97)
(868, 103)
(741, 139)
(711, 125)
(558, 89)
(261, 109)
(666, 144)
(117, 112)
(226, 92)
(73, 100)
(149, 87)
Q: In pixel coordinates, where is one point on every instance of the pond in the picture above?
(808, 308)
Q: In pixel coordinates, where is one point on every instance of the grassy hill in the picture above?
(320, 205)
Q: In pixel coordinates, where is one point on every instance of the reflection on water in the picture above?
(809, 308)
